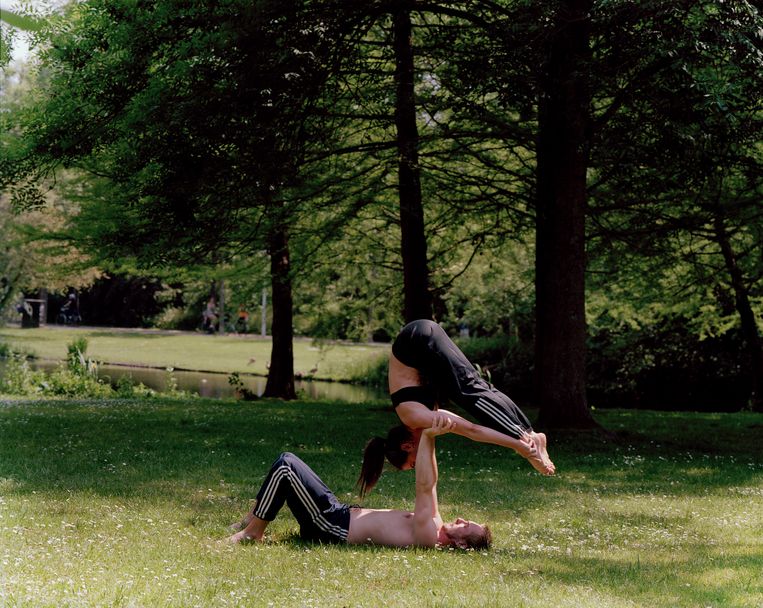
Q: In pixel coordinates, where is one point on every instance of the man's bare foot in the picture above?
(242, 537)
(240, 525)
(541, 442)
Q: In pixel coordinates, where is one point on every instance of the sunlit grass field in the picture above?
(246, 353)
(124, 503)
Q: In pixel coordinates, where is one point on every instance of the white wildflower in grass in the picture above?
(126, 506)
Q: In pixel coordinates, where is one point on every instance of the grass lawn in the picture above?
(196, 350)
(123, 503)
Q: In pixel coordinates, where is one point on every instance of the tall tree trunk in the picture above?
(8, 287)
(562, 161)
(750, 335)
(416, 297)
(221, 308)
(281, 374)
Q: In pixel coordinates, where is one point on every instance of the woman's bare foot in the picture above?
(541, 442)
(539, 464)
(531, 451)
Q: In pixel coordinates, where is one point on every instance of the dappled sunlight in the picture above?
(136, 496)
(9, 336)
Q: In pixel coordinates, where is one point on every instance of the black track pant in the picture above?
(321, 516)
(425, 346)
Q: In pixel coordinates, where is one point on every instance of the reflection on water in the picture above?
(216, 386)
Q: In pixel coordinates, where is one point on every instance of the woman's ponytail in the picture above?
(374, 453)
(373, 463)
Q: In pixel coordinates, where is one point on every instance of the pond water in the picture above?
(215, 385)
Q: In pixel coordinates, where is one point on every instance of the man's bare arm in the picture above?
(426, 513)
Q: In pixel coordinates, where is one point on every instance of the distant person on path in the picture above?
(322, 517)
(425, 368)
(242, 320)
(209, 316)
(69, 313)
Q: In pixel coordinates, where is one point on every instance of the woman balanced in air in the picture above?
(427, 368)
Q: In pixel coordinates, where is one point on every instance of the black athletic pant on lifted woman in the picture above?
(425, 346)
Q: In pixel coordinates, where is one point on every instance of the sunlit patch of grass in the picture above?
(197, 351)
(124, 503)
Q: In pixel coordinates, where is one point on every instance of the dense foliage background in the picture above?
(576, 183)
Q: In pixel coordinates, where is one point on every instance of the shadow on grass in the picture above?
(132, 335)
(134, 447)
(695, 576)
(164, 446)
(660, 577)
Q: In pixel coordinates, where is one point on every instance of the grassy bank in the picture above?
(122, 503)
(197, 351)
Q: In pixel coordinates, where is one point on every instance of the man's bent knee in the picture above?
(287, 458)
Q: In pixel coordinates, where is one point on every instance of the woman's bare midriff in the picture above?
(401, 375)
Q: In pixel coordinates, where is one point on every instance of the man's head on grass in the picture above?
(465, 534)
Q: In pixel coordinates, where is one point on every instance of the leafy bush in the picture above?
(240, 390)
(171, 386)
(663, 366)
(188, 318)
(127, 388)
(666, 366)
(505, 362)
(67, 383)
(76, 361)
(19, 379)
(373, 373)
(77, 377)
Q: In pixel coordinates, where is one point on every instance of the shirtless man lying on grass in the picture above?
(322, 517)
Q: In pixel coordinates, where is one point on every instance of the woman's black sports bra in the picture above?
(421, 394)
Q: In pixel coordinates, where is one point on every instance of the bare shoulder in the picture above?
(426, 531)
